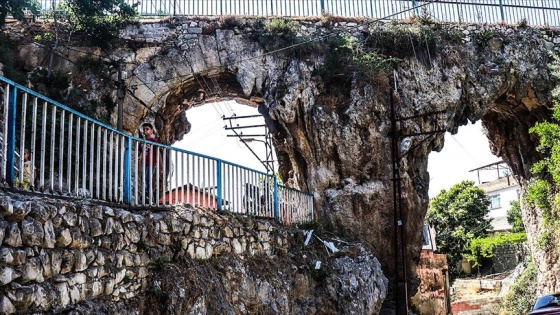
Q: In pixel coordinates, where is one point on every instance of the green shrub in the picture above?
(522, 294)
(484, 247)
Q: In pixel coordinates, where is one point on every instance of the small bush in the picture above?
(480, 248)
(522, 294)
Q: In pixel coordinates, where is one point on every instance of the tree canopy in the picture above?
(514, 217)
(17, 8)
(458, 216)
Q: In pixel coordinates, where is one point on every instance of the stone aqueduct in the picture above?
(339, 146)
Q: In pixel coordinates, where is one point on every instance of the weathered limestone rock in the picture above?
(49, 235)
(32, 271)
(32, 232)
(6, 306)
(20, 210)
(13, 235)
(7, 275)
(336, 144)
(64, 239)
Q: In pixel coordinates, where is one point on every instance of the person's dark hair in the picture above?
(147, 124)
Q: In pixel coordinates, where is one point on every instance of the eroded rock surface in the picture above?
(338, 145)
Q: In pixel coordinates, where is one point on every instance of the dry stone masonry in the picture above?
(57, 255)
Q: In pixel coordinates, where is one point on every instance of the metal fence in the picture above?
(51, 149)
(534, 12)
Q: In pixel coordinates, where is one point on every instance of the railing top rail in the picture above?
(57, 104)
(46, 99)
(293, 189)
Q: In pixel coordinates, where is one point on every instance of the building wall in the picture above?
(507, 189)
(433, 293)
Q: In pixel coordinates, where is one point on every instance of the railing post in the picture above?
(219, 184)
(271, 7)
(502, 11)
(276, 200)
(414, 6)
(322, 6)
(127, 193)
(11, 136)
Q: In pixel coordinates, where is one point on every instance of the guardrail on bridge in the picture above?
(534, 12)
(69, 154)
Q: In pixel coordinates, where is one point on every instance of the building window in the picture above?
(495, 201)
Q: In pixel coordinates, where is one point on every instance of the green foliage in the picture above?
(98, 20)
(367, 60)
(514, 217)
(542, 191)
(160, 262)
(283, 28)
(458, 216)
(8, 49)
(484, 247)
(18, 9)
(403, 41)
(521, 295)
(54, 86)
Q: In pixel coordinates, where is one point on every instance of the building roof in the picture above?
(499, 184)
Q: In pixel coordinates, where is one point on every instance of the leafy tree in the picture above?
(17, 8)
(514, 217)
(458, 216)
(101, 20)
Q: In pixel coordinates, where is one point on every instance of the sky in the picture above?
(462, 152)
(466, 150)
(208, 136)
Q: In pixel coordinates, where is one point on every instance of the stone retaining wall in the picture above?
(508, 256)
(55, 254)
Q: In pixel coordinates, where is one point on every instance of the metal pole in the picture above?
(127, 171)
(120, 95)
(395, 216)
(502, 11)
(219, 185)
(11, 137)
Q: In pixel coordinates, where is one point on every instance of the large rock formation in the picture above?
(335, 140)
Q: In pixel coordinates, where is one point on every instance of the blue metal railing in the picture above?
(535, 12)
(66, 153)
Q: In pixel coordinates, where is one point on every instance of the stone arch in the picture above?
(341, 152)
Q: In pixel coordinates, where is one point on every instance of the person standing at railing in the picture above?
(151, 160)
(29, 171)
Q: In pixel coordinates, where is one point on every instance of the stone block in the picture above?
(22, 297)
(6, 306)
(64, 239)
(3, 227)
(32, 232)
(21, 209)
(80, 261)
(7, 275)
(63, 294)
(32, 271)
(39, 212)
(13, 235)
(6, 256)
(6, 206)
(20, 257)
(49, 240)
(70, 219)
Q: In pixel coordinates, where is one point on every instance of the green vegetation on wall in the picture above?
(543, 190)
(480, 248)
(522, 293)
